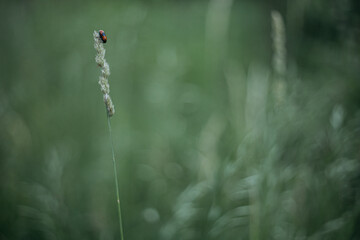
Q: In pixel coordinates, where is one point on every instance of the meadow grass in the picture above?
(110, 110)
(222, 135)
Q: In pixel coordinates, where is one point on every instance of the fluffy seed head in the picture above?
(104, 73)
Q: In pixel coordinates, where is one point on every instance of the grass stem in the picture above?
(116, 179)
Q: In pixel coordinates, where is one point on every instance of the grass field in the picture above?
(219, 132)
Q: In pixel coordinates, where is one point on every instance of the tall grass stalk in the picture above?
(279, 57)
(116, 179)
(105, 89)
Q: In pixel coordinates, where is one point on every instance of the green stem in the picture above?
(116, 180)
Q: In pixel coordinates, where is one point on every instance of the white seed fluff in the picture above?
(105, 73)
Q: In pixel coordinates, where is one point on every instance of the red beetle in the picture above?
(102, 36)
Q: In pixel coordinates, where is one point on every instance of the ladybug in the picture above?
(102, 36)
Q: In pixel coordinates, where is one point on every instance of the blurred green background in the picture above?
(212, 141)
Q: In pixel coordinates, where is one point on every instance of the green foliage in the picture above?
(206, 146)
